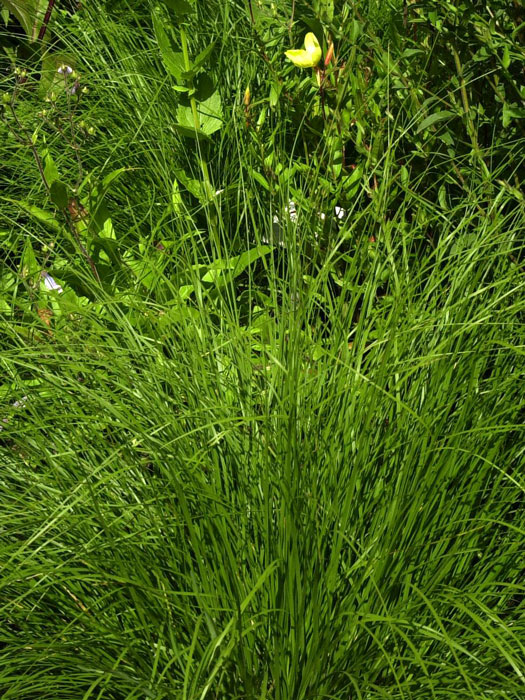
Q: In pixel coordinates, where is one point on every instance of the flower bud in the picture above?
(329, 54)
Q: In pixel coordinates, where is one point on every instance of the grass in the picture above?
(304, 481)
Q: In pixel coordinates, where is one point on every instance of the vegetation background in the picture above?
(262, 350)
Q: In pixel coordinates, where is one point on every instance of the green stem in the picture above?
(202, 161)
(470, 122)
(193, 103)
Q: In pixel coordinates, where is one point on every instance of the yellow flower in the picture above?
(308, 57)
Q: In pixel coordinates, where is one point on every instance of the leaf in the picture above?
(275, 91)
(505, 61)
(29, 264)
(433, 118)
(173, 60)
(258, 177)
(511, 112)
(29, 13)
(108, 230)
(192, 185)
(351, 183)
(189, 132)
(326, 10)
(203, 86)
(176, 199)
(113, 175)
(210, 114)
(185, 116)
(96, 202)
(181, 8)
(198, 62)
(186, 291)
(58, 194)
(41, 215)
(50, 168)
(223, 271)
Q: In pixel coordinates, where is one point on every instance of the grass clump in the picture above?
(262, 353)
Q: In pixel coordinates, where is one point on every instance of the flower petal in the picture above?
(300, 58)
(313, 48)
(308, 57)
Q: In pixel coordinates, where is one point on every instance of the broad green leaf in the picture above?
(511, 112)
(105, 246)
(41, 215)
(4, 13)
(50, 169)
(203, 87)
(186, 291)
(173, 60)
(29, 264)
(189, 131)
(185, 125)
(194, 186)
(108, 231)
(210, 114)
(181, 8)
(29, 13)
(185, 116)
(258, 177)
(225, 270)
(433, 118)
(58, 194)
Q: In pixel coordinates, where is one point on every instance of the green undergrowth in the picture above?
(262, 352)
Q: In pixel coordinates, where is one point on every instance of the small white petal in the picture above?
(50, 283)
(340, 213)
(291, 211)
(20, 402)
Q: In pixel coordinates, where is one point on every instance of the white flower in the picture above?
(16, 404)
(50, 283)
(291, 211)
(340, 213)
(20, 402)
(65, 70)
